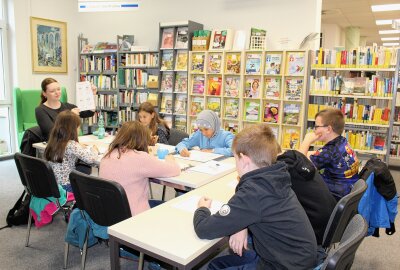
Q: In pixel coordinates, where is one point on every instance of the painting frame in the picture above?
(49, 46)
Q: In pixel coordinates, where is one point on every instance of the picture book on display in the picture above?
(271, 112)
(253, 63)
(166, 82)
(167, 60)
(291, 113)
(182, 38)
(231, 107)
(181, 60)
(252, 110)
(214, 85)
(198, 63)
(232, 86)
(166, 104)
(180, 123)
(197, 105)
(87, 48)
(181, 82)
(232, 127)
(219, 38)
(295, 62)
(104, 47)
(232, 63)
(214, 63)
(291, 138)
(214, 104)
(273, 63)
(294, 88)
(127, 42)
(252, 89)
(272, 87)
(167, 40)
(180, 104)
(198, 84)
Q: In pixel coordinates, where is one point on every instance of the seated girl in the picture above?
(158, 127)
(129, 163)
(209, 137)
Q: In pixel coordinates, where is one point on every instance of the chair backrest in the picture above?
(342, 257)
(25, 102)
(37, 175)
(105, 201)
(176, 136)
(341, 215)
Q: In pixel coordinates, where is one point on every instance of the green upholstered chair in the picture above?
(25, 102)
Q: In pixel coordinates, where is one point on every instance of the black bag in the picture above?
(19, 214)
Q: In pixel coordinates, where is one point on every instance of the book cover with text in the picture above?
(272, 87)
(198, 84)
(231, 107)
(197, 105)
(252, 89)
(214, 104)
(291, 114)
(167, 61)
(252, 110)
(273, 63)
(214, 62)
(271, 112)
(214, 85)
(232, 86)
(180, 104)
(197, 63)
(182, 38)
(166, 82)
(232, 63)
(295, 63)
(181, 82)
(167, 39)
(294, 89)
(181, 61)
(253, 63)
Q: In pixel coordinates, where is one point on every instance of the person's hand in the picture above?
(238, 241)
(170, 158)
(185, 153)
(207, 150)
(94, 89)
(311, 137)
(76, 111)
(204, 202)
(94, 149)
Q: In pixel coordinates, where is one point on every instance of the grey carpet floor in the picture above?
(47, 244)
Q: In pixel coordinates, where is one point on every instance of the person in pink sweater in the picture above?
(129, 163)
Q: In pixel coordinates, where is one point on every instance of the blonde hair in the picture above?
(258, 142)
(332, 117)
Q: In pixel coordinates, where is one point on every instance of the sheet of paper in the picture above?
(171, 148)
(84, 96)
(190, 204)
(199, 156)
(213, 167)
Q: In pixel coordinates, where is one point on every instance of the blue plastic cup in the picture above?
(162, 153)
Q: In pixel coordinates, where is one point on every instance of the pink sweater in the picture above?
(132, 171)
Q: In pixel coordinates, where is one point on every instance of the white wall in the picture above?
(332, 36)
(281, 18)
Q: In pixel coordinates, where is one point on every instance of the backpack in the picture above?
(19, 214)
(383, 179)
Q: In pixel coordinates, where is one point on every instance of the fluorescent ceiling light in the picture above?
(104, 5)
(390, 38)
(391, 7)
(391, 44)
(388, 32)
(385, 22)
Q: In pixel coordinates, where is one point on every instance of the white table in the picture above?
(166, 232)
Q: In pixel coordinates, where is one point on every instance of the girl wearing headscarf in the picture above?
(209, 137)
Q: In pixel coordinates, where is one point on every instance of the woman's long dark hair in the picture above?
(149, 108)
(65, 129)
(132, 135)
(44, 85)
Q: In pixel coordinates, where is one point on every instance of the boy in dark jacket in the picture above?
(265, 205)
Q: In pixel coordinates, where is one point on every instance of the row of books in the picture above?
(181, 38)
(167, 84)
(98, 63)
(133, 78)
(106, 101)
(131, 98)
(167, 60)
(356, 113)
(139, 59)
(127, 114)
(363, 57)
(376, 87)
(102, 82)
(295, 62)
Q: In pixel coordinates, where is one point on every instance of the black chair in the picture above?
(39, 180)
(341, 215)
(176, 136)
(103, 200)
(342, 257)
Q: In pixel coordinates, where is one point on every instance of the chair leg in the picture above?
(28, 228)
(66, 250)
(84, 250)
(151, 191)
(141, 261)
(163, 193)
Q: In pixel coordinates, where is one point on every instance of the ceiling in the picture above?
(357, 13)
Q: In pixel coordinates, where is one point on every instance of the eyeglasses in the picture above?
(315, 127)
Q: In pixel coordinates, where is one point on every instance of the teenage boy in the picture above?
(336, 160)
(265, 205)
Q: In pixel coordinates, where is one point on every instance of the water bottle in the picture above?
(101, 131)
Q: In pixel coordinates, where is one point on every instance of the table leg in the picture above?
(114, 253)
(141, 261)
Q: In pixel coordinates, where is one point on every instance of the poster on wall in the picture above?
(49, 46)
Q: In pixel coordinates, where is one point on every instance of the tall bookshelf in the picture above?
(250, 87)
(363, 85)
(138, 73)
(100, 68)
(175, 43)
(395, 135)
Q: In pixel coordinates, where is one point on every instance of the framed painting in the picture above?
(49, 46)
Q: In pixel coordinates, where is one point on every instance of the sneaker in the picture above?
(154, 266)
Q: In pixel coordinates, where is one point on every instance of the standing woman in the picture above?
(50, 106)
(158, 127)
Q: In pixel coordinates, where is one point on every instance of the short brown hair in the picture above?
(258, 142)
(64, 130)
(132, 135)
(332, 117)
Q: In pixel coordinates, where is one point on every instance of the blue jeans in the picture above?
(154, 203)
(248, 261)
